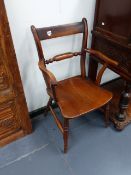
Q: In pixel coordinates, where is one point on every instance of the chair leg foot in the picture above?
(65, 134)
(107, 114)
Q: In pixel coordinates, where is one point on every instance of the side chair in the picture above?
(78, 95)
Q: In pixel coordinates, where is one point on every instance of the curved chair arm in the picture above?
(106, 61)
(102, 57)
(50, 76)
(50, 80)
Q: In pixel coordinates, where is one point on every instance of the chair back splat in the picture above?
(45, 33)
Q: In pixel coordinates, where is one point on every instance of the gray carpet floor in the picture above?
(93, 149)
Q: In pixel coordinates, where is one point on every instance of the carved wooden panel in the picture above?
(115, 52)
(9, 122)
(4, 83)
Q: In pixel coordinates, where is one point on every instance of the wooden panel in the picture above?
(123, 56)
(114, 16)
(4, 79)
(8, 119)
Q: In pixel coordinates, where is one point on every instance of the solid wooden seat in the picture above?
(77, 96)
(74, 96)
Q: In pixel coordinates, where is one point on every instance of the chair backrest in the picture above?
(59, 31)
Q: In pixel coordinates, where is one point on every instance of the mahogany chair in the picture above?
(78, 95)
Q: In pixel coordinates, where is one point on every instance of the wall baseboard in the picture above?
(41, 110)
(37, 112)
(111, 81)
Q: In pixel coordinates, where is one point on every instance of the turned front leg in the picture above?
(107, 114)
(124, 103)
(65, 134)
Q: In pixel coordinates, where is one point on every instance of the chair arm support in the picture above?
(102, 57)
(100, 74)
(50, 76)
(106, 61)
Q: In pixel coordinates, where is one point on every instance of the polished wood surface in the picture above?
(103, 57)
(111, 35)
(14, 118)
(63, 56)
(75, 96)
(116, 17)
(114, 106)
(85, 91)
(58, 31)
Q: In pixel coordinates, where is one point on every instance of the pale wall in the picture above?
(22, 14)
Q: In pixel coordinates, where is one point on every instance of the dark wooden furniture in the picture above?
(78, 95)
(112, 36)
(14, 118)
(114, 105)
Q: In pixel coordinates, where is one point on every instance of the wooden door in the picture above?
(14, 118)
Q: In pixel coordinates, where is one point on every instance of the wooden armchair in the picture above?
(78, 95)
